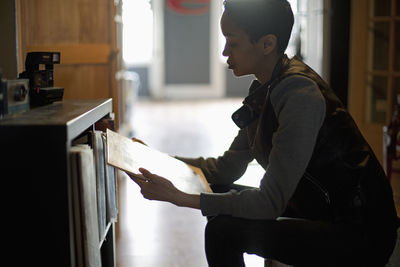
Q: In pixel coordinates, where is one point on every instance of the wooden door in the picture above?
(84, 31)
(374, 66)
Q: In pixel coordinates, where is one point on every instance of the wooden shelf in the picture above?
(69, 116)
(35, 172)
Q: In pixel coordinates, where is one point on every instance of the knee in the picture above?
(219, 188)
(216, 229)
(221, 246)
(214, 225)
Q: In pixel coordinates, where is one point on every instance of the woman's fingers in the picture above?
(138, 178)
(146, 173)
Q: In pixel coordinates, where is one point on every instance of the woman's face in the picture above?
(244, 57)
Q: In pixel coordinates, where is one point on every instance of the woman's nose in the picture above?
(225, 52)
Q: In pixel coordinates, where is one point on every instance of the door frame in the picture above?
(158, 87)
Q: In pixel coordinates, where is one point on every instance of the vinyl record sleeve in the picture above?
(129, 156)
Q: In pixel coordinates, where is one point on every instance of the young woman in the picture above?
(324, 199)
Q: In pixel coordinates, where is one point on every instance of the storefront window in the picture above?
(398, 8)
(384, 60)
(380, 45)
(378, 103)
(381, 8)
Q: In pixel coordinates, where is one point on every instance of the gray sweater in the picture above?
(300, 111)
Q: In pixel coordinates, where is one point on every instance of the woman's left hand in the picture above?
(155, 187)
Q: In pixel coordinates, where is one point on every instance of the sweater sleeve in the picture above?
(300, 110)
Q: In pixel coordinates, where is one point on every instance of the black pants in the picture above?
(292, 241)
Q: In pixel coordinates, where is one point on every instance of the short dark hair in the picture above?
(262, 17)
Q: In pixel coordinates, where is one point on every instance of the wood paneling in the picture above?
(83, 31)
(83, 81)
(60, 21)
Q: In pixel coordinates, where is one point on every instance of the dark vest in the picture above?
(344, 180)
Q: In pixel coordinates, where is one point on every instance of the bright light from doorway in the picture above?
(137, 16)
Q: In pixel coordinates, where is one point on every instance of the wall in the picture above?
(8, 40)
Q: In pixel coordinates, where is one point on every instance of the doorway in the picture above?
(172, 61)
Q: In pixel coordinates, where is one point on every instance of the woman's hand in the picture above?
(154, 187)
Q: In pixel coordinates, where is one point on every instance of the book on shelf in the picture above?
(99, 159)
(111, 187)
(129, 156)
(84, 201)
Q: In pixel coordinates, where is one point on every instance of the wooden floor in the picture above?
(159, 234)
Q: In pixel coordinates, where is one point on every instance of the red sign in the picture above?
(189, 7)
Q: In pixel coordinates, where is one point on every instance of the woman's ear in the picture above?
(269, 43)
